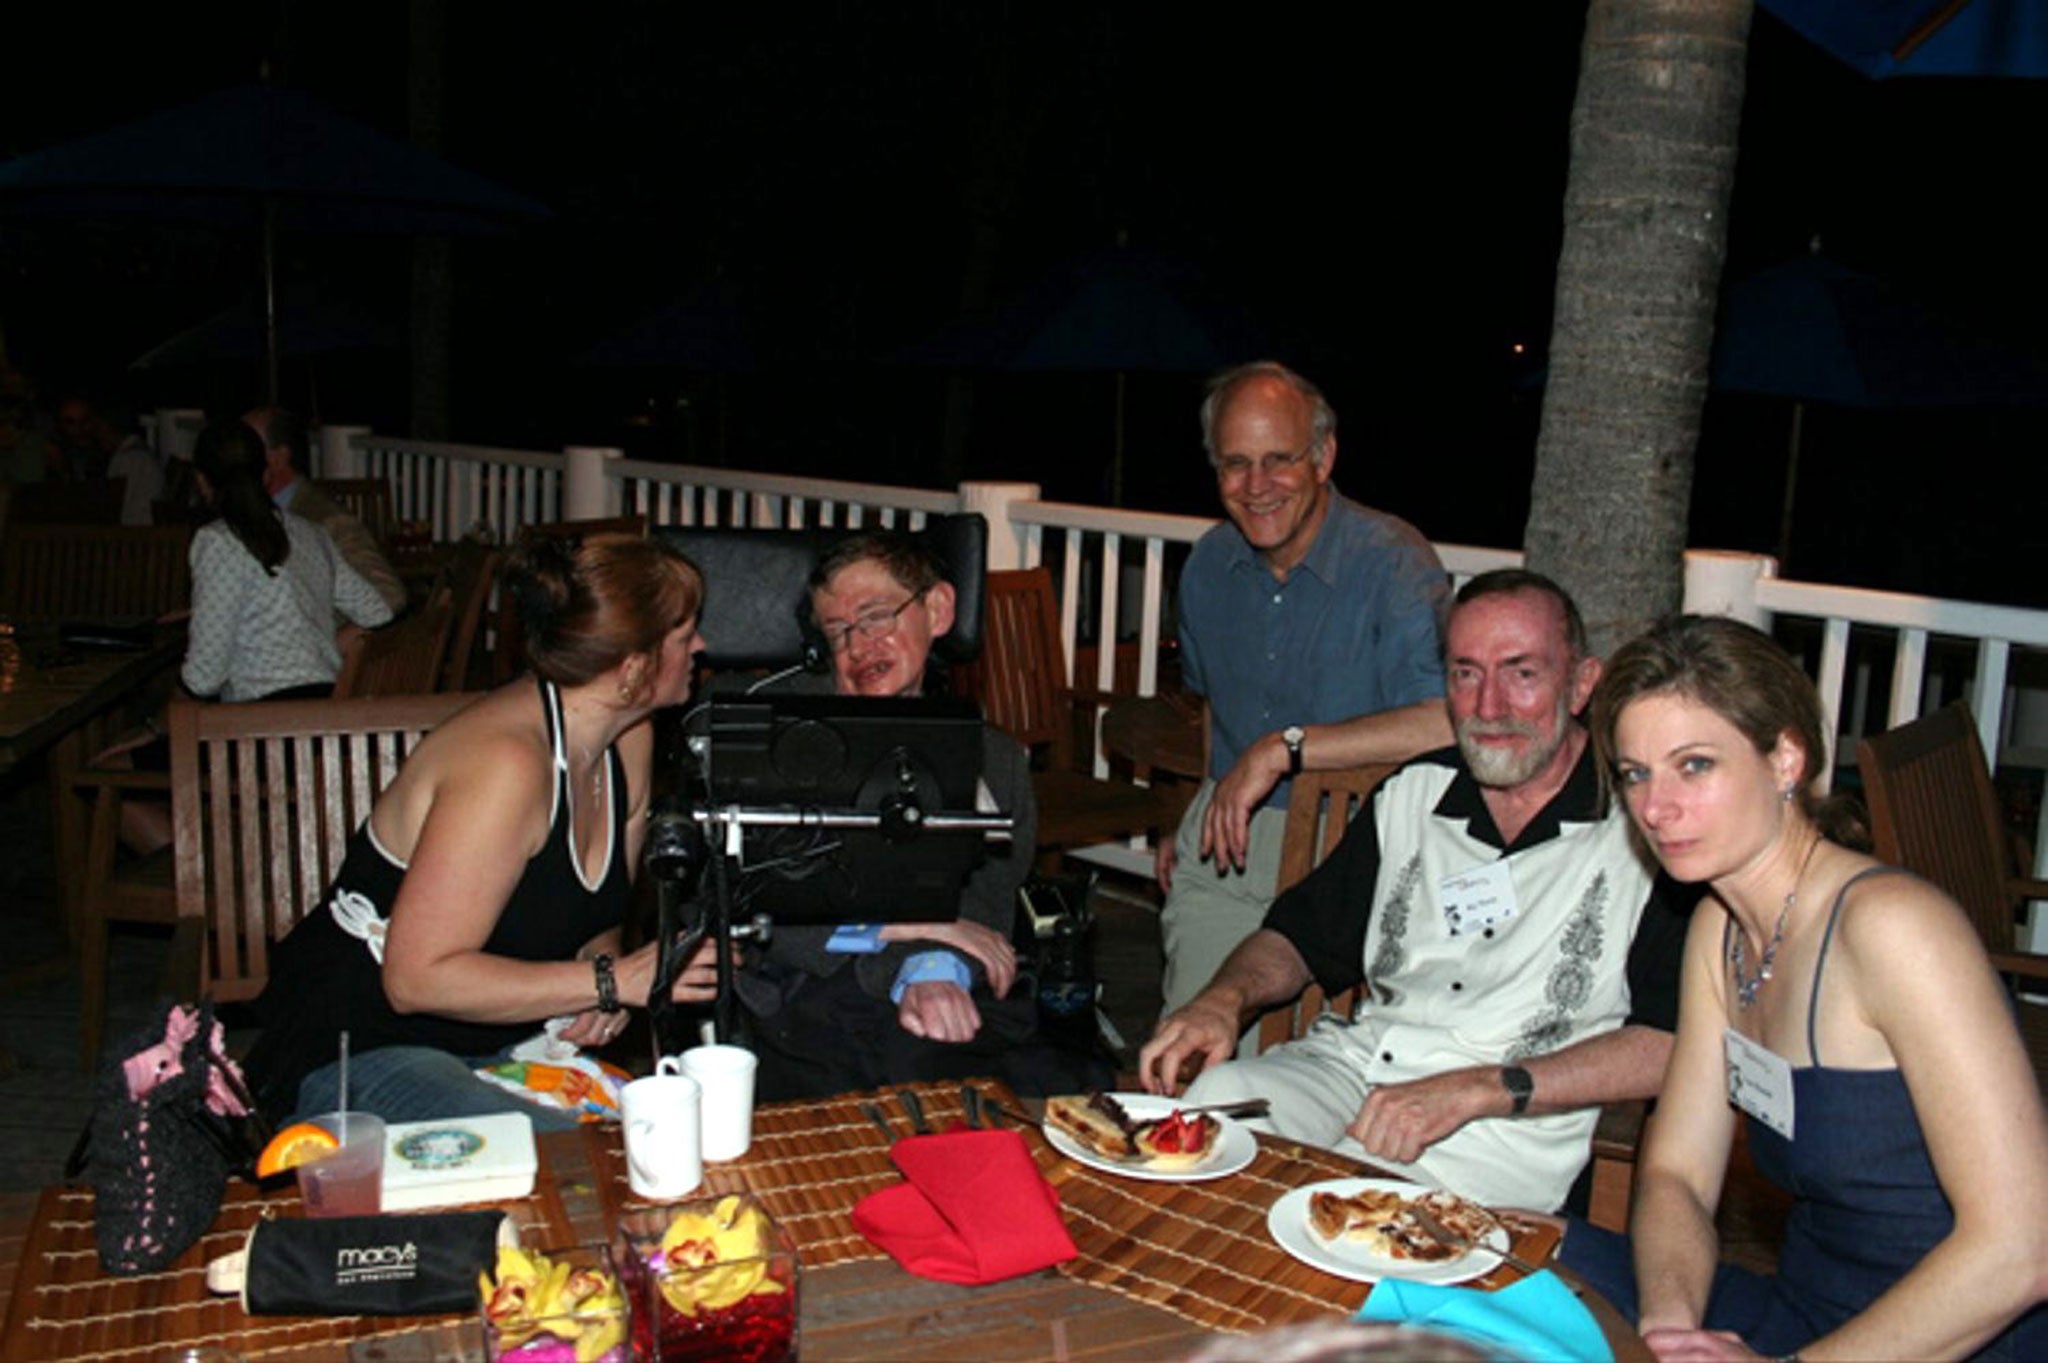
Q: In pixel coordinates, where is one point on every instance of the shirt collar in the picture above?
(286, 495)
(1322, 556)
(1578, 801)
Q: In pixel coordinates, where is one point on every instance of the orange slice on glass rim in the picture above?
(295, 1145)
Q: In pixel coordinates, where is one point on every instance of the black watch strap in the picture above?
(1521, 1086)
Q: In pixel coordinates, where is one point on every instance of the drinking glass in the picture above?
(350, 1181)
(592, 1326)
(699, 1301)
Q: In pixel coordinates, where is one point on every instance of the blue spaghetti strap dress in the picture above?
(1866, 1208)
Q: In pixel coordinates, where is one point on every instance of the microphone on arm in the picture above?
(676, 853)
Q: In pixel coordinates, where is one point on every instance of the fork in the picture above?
(1444, 1235)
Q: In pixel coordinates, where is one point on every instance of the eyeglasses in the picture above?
(1233, 468)
(874, 623)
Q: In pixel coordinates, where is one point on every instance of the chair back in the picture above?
(402, 659)
(1319, 811)
(1021, 679)
(509, 632)
(95, 502)
(94, 572)
(1934, 812)
(264, 797)
(757, 599)
(469, 579)
(368, 500)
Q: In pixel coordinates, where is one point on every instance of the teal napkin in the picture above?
(1537, 1318)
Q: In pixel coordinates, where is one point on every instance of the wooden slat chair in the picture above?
(402, 659)
(96, 502)
(263, 799)
(94, 572)
(1023, 691)
(1319, 809)
(469, 578)
(1933, 810)
(368, 500)
(509, 642)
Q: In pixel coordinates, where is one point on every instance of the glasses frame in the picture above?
(871, 624)
(1235, 468)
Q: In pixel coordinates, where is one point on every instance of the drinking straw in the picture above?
(344, 1086)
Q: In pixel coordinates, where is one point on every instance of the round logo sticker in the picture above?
(439, 1148)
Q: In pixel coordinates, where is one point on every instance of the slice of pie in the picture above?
(1101, 1125)
(1384, 1223)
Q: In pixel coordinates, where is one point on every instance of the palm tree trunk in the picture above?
(1646, 201)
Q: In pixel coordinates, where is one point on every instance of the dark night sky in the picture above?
(1377, 190)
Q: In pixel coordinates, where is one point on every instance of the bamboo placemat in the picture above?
(65, 1307)
(1199, 1250)
(809, 1163)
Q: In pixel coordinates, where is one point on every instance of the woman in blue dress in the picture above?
(1849, 1012)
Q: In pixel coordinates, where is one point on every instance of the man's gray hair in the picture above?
(1322, 418)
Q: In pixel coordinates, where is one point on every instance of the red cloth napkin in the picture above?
(975, 1209)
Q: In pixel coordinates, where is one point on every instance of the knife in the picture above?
(874, 1114)
(916, 1111)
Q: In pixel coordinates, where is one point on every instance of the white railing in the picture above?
(1901, 655)
(672, 494)
(454, 489)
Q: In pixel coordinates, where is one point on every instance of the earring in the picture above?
(1787, 793)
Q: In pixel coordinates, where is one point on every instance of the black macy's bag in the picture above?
(364, 1265)
(171, 1121)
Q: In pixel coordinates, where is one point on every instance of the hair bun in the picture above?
(543, 580)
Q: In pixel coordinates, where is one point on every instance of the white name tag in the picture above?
(1759, 1081)
(1477, 899)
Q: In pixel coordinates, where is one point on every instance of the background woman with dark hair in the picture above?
(266, 585)
(486, 890)
(1849, 1011)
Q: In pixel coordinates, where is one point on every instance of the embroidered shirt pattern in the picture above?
(1570, 984)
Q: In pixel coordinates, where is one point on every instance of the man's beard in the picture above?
(1504, 768)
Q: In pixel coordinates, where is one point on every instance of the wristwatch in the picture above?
(1520, 1086)
(1292, 736)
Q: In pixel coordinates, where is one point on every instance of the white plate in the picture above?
(1287, 1223)
(1234, 1148)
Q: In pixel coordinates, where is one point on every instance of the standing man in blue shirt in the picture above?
(1310, 623)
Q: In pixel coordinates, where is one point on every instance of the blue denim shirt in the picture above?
(1352, 631)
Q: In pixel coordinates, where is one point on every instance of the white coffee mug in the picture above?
(664, 1157)
(726, 1074)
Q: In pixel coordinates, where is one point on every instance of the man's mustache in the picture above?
(1497, 728)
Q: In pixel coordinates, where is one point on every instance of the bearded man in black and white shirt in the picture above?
(1521, 953)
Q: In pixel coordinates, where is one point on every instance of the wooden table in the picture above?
(810, 1163)
(1157, 733)
(57, 700)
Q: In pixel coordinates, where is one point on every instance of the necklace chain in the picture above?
(1746, 985)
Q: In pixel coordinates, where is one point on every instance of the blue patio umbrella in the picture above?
(1885, 39)
(1118, 311)
(260, 158)
(306, 326)
(705, 330)
(1122, 311)
(1815, 330)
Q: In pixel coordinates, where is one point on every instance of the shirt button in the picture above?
(1456, 985)
(1489, 932)
(1387, 1056)
(1276, 598)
